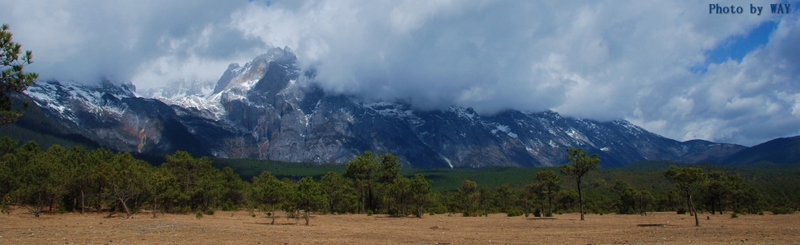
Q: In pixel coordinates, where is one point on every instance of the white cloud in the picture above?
(599, 60)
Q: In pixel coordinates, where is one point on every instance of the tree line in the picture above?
(79, 180)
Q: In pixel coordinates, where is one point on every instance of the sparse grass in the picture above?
(236, 227)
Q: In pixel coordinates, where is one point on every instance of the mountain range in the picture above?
(270, 108)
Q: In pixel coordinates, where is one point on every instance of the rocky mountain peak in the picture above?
(270, 109)
(240, 79)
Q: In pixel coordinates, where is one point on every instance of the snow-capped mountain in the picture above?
(271, 109)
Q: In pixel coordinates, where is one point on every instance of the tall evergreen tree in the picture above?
(551, 184)
(579, 164)
(309, 196)
(269, 192)
(339, 192)
(127, 182)
(40, 176)
(361, 170)
(420, 190)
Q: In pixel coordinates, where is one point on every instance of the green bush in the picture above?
(369, 212)
(514, 212)
(184, 210)
(782, 210)
(537, 213)
(198, 215)
(210, 211)
(681, 211)
(229, 206)
(734, 215)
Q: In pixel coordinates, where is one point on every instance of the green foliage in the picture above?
(79, 180)
(12, 78)
(309, 196)
(782, 210)
(41, 181)
(199, 185)
(268, 192)
(468, 199)
(400, 196)
(686, 180)
(361, 170)
(631, 200)
(340, 193)
(249, 168)
(127, 181)
(514, 212)
(550, 183)
(198, 215)
(506, 198)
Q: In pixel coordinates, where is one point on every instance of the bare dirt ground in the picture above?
(20, 227)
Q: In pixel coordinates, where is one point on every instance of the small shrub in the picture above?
(229, 206)
(62, 209)
(734, 215)
(369, 212)
(514, 212)
(210, 211)
(537, 213)
(5, 204)
(681, 211)
(782, 210)
(760, 212)
(393, 212)
(198, 215)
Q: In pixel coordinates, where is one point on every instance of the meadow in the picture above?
(239, 227)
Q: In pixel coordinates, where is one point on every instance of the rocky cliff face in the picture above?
(114, 117)
(271, 109)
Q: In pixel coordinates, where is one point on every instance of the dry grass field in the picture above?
(20, 227)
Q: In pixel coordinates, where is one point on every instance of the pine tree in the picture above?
(12, 79)
(579, 165)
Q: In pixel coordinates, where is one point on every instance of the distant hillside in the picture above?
(36, 126)
(778, 151)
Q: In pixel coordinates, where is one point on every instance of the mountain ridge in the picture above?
(271, 109)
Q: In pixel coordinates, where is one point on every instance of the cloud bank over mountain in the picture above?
(647, 62)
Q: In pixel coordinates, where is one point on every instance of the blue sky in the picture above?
(667, 66)
(737, 47)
